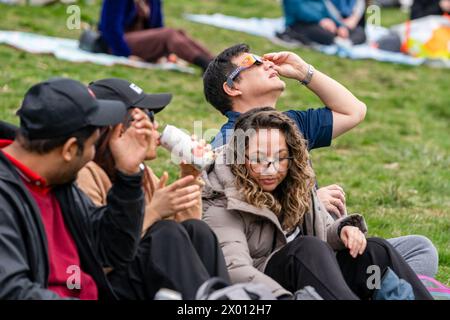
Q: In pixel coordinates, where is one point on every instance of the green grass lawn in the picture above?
(394, 166)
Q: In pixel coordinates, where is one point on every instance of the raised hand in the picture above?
(129, 147)
(288, 64)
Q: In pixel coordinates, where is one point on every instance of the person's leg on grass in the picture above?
(308, 261)
(419, 252)
(148, 44)
(166, 258)
(378, 253)
(314, 33)
(205, 243)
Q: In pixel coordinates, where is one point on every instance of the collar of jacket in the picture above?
(9, 175)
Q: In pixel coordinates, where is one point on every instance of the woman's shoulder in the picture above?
(92, 171)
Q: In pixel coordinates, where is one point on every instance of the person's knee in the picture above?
(168, 32)
(199, 228)
(425, 255)
(168, 231)
(424, 245)
(310, 245)
(172, 35)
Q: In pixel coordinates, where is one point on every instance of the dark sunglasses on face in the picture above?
(248, 61)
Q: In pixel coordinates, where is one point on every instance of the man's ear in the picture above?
(69, 149)
(232, 92)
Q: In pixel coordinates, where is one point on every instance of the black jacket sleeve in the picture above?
(15, 280)
(116, 227)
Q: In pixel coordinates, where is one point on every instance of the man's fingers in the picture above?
(274, 56)
(269, 56)
(277, 69)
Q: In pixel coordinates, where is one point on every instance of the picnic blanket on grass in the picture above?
(267, 27)
(67, 49)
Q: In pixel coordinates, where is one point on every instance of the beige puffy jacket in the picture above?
(249, 236)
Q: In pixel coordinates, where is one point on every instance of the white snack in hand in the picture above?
(183, 147)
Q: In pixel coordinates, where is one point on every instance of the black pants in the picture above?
(307, 33)
(310, 261)
(171, 255)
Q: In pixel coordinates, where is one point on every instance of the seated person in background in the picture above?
(235, 82)
(176, 248)
(324, 21)
(259, 199)
(135, 29)
(423, 8)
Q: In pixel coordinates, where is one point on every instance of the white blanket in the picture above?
(265, 27)
(67, 49)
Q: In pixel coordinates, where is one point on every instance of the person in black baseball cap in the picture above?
(47, 223)
(179, 259)
(60, 106)
(130, 94)
(133, 97)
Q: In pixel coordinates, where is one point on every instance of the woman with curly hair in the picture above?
(260, 200)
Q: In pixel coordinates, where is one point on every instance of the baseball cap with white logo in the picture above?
(129, 93)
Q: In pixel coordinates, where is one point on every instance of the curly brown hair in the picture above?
(292, 198)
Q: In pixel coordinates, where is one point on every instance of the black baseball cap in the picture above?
(130, 94)
(60, 106)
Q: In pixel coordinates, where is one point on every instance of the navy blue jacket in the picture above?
(117, 15)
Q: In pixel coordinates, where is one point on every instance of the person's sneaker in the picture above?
(287, 39)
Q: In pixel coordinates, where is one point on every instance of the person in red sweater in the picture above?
(54, 242)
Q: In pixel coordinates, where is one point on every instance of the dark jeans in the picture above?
(171, 255)
(307, 32)
(308, 261)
